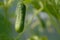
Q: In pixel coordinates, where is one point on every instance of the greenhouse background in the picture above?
(46, 28)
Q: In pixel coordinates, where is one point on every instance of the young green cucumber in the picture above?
(20, 11)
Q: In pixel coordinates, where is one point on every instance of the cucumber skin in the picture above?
(23, 17)
(19, 25)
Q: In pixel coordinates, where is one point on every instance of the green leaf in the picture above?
(43, 24)
(1, 3)
(36, 4)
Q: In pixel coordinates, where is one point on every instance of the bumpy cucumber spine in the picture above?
(20, 19)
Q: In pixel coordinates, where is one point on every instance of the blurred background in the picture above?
(46, 26)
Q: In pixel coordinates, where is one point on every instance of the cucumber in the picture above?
(20, 17)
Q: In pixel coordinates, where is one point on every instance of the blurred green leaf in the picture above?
(43, 24)
(1, 4)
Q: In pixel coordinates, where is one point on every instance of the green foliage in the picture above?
(38, 38)
(51, 7)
